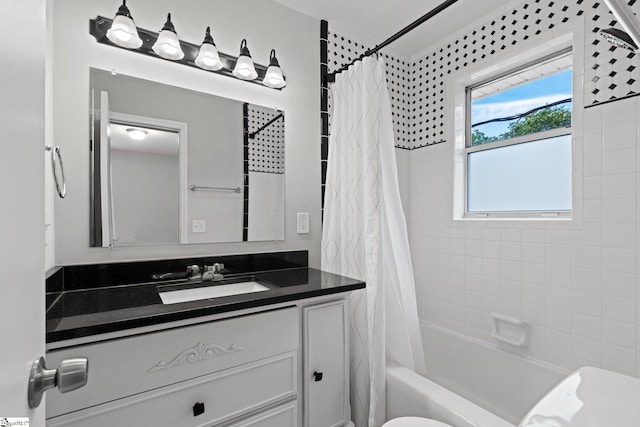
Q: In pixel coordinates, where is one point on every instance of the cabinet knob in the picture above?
(317, 376)
(198, 409)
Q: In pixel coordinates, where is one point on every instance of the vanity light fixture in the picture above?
(244, 68)
(123, 31)
(274, 78)
(203, 56)
(208, 58)
(168, 45)
(137, 134)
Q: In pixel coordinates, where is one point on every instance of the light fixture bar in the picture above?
(99, 26)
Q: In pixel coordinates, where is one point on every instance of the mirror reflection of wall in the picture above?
(220, 196)
(266, 173)
(145, 194)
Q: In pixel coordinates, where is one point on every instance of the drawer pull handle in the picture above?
(198, 409)
(317, 376)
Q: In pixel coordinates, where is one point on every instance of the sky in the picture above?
(520, 99)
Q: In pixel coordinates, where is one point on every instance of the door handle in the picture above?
(70, 375)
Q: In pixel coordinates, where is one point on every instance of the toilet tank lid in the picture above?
(589, 397)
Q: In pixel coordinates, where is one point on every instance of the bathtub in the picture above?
(469, 383)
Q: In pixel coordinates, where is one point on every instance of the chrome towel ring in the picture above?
(56, 157)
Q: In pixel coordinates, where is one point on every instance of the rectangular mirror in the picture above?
(174, 166)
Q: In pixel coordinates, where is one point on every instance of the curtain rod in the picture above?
(331, 77)
(252, 135)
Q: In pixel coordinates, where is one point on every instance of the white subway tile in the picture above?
(619, 137)
(587, 326)
(533, 313)
(558, 255)
(533, 252)
(511, 250)
(593, 118)
(558, 297)
(587, 280)
(534, 235)
(559, 341)
(491, 248)
(619, 235)
(593, 164)
(620, 211)
(619, 186)
(621, 112)
(587, 257)
(619, 260)
(619, 333)
(587, 303)
(587, 349)
(619, 284)
(558, 319)
(619, 359)
(535, 273)
(620, 309)
(592, 141)
(558, 276)
(618, 161)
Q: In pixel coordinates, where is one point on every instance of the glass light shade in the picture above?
(124, 33)
(274, 78)
(245, 69)
(168, 46)
(208, 57)
(137, 134)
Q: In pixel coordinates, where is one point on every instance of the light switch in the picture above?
(303, 222)
(198, 226)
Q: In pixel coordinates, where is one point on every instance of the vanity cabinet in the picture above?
(242, 371)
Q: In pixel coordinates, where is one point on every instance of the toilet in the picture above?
(414, 422)
(587, 397)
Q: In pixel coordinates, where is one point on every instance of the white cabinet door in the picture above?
(22, 308)
(325, 365)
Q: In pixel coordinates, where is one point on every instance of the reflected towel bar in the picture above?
(193, 187)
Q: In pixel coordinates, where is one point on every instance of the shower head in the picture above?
(618, 38)
(627, 19)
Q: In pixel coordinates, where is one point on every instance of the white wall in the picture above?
(265, 25)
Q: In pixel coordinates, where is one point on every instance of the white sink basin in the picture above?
(208, 292)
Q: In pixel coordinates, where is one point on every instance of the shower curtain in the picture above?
(365, 236)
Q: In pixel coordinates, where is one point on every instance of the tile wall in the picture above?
(575, 283)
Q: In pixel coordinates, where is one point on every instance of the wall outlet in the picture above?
(303, 222)
(198, 226)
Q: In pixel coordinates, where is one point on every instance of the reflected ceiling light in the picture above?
(137, 134)
(123, 31)
(208, 58)
(274, 78)
(168, 45)
(244, 68)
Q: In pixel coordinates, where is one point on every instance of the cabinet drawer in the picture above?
(226, 395)
(133, 365)
(282, 416)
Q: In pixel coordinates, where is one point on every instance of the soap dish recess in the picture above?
(510, 330)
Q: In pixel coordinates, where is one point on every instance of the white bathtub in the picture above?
(469, 384)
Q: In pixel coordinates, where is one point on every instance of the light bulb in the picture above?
(137, 134)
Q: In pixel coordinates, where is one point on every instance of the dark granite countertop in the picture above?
(86, 312)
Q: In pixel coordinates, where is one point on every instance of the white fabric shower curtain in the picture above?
(365, 236)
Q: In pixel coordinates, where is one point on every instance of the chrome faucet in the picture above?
(193, 272)
(213, 272)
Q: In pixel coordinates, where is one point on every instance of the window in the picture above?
(518, 144)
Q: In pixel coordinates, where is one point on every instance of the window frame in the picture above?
(537, 136)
